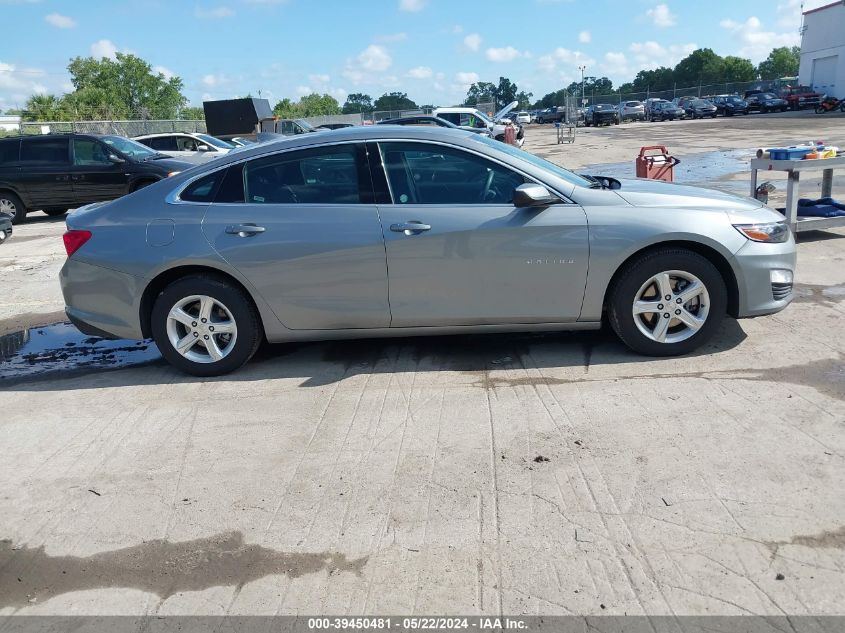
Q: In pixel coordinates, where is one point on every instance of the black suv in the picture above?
(729, 105)
(57, 172)
(601, 114)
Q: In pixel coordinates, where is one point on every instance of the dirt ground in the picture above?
(518, 474)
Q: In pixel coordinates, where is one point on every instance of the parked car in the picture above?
(699, 109)
(682, 102)
(798, 97)
(766, 102)
(432, 121)
(5, 227)
(382, 231)
(57, 172)
(186, 145)
(522, 117)
(601, 114)
(551, 115)
(474, 118)
(729, 105)
(665, 111)
(631, 111)
(240, 141)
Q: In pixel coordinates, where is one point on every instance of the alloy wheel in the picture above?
(8, 207)
(671, 306)
(201, 329)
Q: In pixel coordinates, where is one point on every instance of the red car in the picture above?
(799, 97)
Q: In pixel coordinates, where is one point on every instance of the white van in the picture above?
(473, 118)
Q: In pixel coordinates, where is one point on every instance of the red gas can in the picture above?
(510, 135)
(656, 166)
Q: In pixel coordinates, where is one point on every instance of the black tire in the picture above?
(238, 304)
(627, 284)
(19, 214)
(55, 212)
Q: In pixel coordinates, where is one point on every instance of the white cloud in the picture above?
(650, 55)
(757, 43)
(392, 37)
(506, 54)
(214, 13)
(375, 58)
(319, 79)
(412, 5)
(585, 37)
(789, 14)
(103, 48)
(168, 74)
(420, 72)
(304, 90)
(17, 83)
(661, 16)
(564, 57)
(472, 41)
(466, 79)
(457, 29)
(212, 80)
(60, 21)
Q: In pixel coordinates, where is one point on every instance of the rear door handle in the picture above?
(411, 227)
(244, 230)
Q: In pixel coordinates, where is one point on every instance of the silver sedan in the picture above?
(399, 231)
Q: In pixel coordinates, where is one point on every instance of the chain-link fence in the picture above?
(121, 128)
(701, 90)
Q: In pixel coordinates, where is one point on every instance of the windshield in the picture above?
(733, 100)
(305, 125)
(130, 148)
(699, 102)
(604, 106)
(215, 141)
(483, 117)
(556, 170)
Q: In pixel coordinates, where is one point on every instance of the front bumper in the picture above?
(759, 294)
(101, 301)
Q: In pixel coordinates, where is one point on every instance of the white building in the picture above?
(10, 123)
(823, 49)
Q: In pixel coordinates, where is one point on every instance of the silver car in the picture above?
(401, 231)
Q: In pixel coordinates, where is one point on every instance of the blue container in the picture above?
(789, 153)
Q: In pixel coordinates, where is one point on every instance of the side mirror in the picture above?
(117, 160)
(203, 148)
(531, 195)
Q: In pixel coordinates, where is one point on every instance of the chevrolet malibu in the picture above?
(403, 231)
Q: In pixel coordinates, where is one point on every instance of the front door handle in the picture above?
(411, 227)
(244, 230)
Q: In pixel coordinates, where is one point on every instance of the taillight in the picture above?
(74, 239)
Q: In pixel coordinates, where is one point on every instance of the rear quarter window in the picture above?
(45, 151)
(9, 152)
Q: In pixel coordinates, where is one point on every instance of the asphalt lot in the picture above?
(517, 474)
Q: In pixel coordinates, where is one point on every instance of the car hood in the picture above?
(505, 110)
(171, 164)
(655, 193)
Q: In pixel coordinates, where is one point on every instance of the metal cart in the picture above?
(565, 132)
(793, 168)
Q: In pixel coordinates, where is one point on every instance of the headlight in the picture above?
(173, 173)
(772, 232)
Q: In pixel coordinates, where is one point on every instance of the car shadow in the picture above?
(317, 364)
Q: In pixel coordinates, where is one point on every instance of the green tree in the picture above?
(287, 109)
(394, 101)
(481, 92)
(43, 107)
(738, 69)
(702, 66)
(781, 62)
(192, 114)
(317, 105)
(524, 99)
(358, 102)
(505, 92)
(125, 86)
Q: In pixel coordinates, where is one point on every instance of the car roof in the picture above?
(160, 134)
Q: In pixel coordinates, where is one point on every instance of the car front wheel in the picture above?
(667, 302)
(205, 326)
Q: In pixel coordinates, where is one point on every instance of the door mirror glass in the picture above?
(203, 148)
(533, 195)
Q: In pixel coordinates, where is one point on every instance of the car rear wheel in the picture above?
(667, 302)
(12, 206)
(205, 326)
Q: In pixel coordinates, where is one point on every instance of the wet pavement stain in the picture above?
(30, 575)
(60, 350)
(833, 539)
(820, 295)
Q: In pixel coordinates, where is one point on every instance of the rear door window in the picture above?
(9, 152)
(45, 151)
(162, 143)
(324, 175)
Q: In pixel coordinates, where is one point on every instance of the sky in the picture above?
(431, 49)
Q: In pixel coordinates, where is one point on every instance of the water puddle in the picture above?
(709, 169)
(61, 349)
